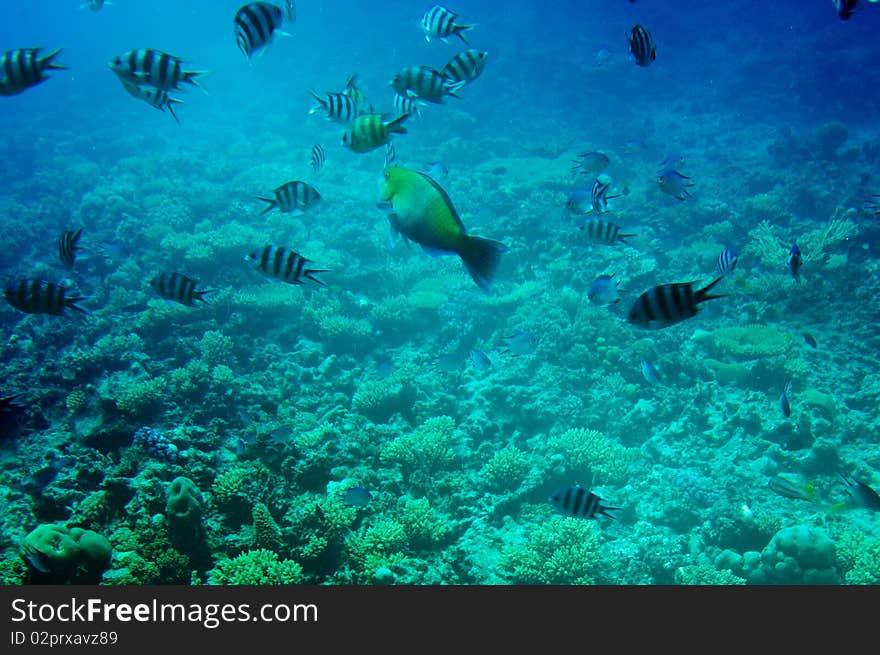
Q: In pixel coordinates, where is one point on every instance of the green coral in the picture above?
(751, 341)
(559, 551)
(587, 449)
(267, 534)
(506, 470)
(216, 348)
(375, 547)
(858, 556)
(379, 400)
(66, 555)
(139, 397)
(428, 447)
(256, 567)
(706, 574)
(423, 525)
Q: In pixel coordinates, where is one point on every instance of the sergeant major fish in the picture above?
(425, 83)
(24, 68)
(154, 68)
(438, 22)
(156, 98)
(256, 23)
(292, 197)
(179, 288)
(422, 212)
(465, 66)
(369, 131)
(317, 157)
(602, 231)
(599, 194)
(726, 262)
(41, 297)
(67, 247)
(284, 264)
(578, 502)
(339, 107)
(667, 304)
(641, 45)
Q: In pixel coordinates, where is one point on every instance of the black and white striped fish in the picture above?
(179, 288)
(67, 247)
(641, 45)
(284, 264)
(602, 231)
(425, 83)
(353, 91)
(465, 66)
(438, 22)
(339, 107)
(668, 304)
(405, 106)
(156, 98)
(390, 154)
(41, 297)
(24, 68)
(147, 66)
(578, 502)
(726, 262)
(599, 195)
(292, 197)
(318, 158)
(256, 23)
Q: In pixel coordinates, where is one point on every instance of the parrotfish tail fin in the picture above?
(396, 126)
(703, 294)
(272, 204)
(309, 274)
(191, 77)
(481, 258)
(453, 88)
(199, 295)
(71, 303)
(46, 62)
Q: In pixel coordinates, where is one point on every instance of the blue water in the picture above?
(774, 108)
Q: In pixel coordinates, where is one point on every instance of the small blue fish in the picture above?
(726, 262)
(357, 497)
(480, 359)
(783, 401)
(591, 163)
(795, 261)
(580, 201)
(520, 343)
(674, 183)
(603, 291)
(649, 371)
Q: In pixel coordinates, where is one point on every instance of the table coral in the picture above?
(751, 341)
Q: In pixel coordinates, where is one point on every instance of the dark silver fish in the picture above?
(591, 163)
(440, 23)
(257, 22)
(605, 232)
(24, 68)
(357, 497)
(317, 159)
(520, 343)
(674, 183)
(67, 247)
(580, 202)
(810, 340)
(11, 403)
(465, 66)
(862, 495)
(668, 304)
(153, 68)
(641, 45)
(41, 297)
(580, 503)
(292, 197)
(114, 251)
(179, 288)
(603, 291)
(480, 359)
(726, 262)
(783, 401)
(795, 261)
(425, 83)
(284, 264)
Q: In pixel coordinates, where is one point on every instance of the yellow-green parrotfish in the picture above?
(422, 212)
(369, 131)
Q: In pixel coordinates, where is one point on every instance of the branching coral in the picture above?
(558, 551)
(506, 470)
(424, 526)
(428, 447)
(256, 567)
(586, 449)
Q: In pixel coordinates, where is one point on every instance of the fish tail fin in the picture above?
(309, 274)
(396, 126)
(703, 294)
(606, 511)
(199, 295)
(322, 104)
(71, 303)
(453, 88)
(47, 64)
(481, 257)
(623, 238)
(459, 29)
(272, 204)
(192, 77)
(170, 105)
